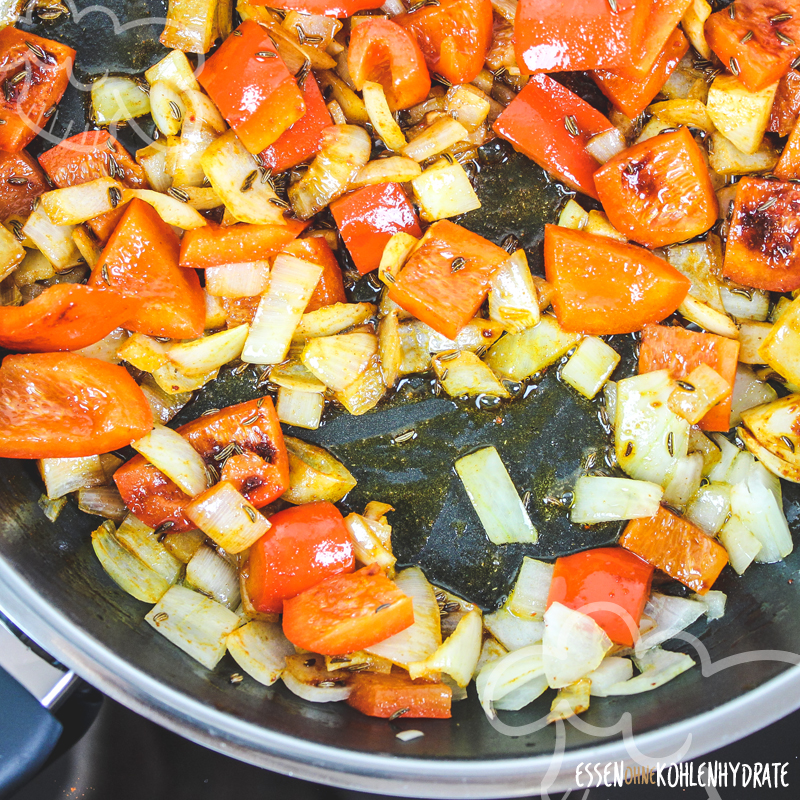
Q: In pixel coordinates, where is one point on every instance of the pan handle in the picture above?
(28, 734)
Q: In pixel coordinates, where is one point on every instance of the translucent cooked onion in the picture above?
(528, 598)
(507, 675)
(511, 631)
(130, 573)
(314, 474)
(332, 319)
(338, 360)
(208, 353)
(423, 638)
(117, 98)
(512, 295)
(214, 576)
(671, 615)
(495, 498)
(55, 241)
(657, 668)
(458, 655)
(590, 366)
(604, 146)
(173, 211)
(175, 457)
(103, 501)
(238, 280)
(197, 624)
(227, 517)
(280, 310)
(76, 204)
(612, 670)
(260, 649)
(573, 645)
(368, 548)
(167, 108)
(600, 499)
(301, 409)
(141, 540)
(64, 475)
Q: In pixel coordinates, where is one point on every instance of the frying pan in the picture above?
(52, 586)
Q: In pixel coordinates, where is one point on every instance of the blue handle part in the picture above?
(28, 734)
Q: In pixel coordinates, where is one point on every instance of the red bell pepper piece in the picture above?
(662, 22)
(454, 36)
(788, 166)
(86, 157)
(305, 545)
(66, 316)
(432, 291)
(680, 351)
(28, 102)
(384, 696)
(748, 43)
(302, 140)
(763, 248)
(217, 245)
(539, 123)
(22, 180)
(677, 547)
(603, 286)
(369, 217)
(330, 288)
(347, 612)
(328, 8)
(605, 576)
(659, 192)
(587, 34)
(255, 92)
(141, 261)
(155, 499)
(633, 95)
(786, 106)
(382, 51)
(62, 405)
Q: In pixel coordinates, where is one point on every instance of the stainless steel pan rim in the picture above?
(413, 777)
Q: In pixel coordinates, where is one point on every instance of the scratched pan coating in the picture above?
(543, 438)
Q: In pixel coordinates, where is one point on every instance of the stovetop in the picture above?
(123, 756)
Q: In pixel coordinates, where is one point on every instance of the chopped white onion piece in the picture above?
(301, 409)
(599, 499)
(495, 498)
(55, 241)
(409, 736)
(130, 573)
(671, 615)
(508, 674)
(211, 574)
(197, 624)
(745, 303)
(571, 700)
(442, 134)
(590, 366)
(76, 204)
(153, 160)
(444, 190)
(520, 355)
(291, 285)
(164, 406)
(612, 670)
(756, 506)
(314, 474)
(64, 475)
(728, 453)
(511, 631)
(103, 501)
(657, 668)
(116, 98)
(683, 480)
(573, 645)
(307, 678)
(457, 656)
(141, 540)
(648, 436)
(381, 117)
(176, 70)
(748, 392)
(208, 353)
(529, 596)
(490, 651)
(467, 376)
(227, 517)
(167, 108)
(167, 450)
(423, 638)
(710, 507)
(345, 149)
(741, 544)
(604, 146)
(338, 360)
(106, 348)
(260, 649)
(173, 211)
(714, 601)
(513, 300)
(238, 280)
(332, 319)
(52, 508)
(367, 546)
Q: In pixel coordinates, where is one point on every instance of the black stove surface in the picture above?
(123, 756)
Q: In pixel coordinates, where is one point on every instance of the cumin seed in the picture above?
(733, 65)
(250, 511)
(788, 442)
(686, 386)
(178, 194)
(571, 124)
